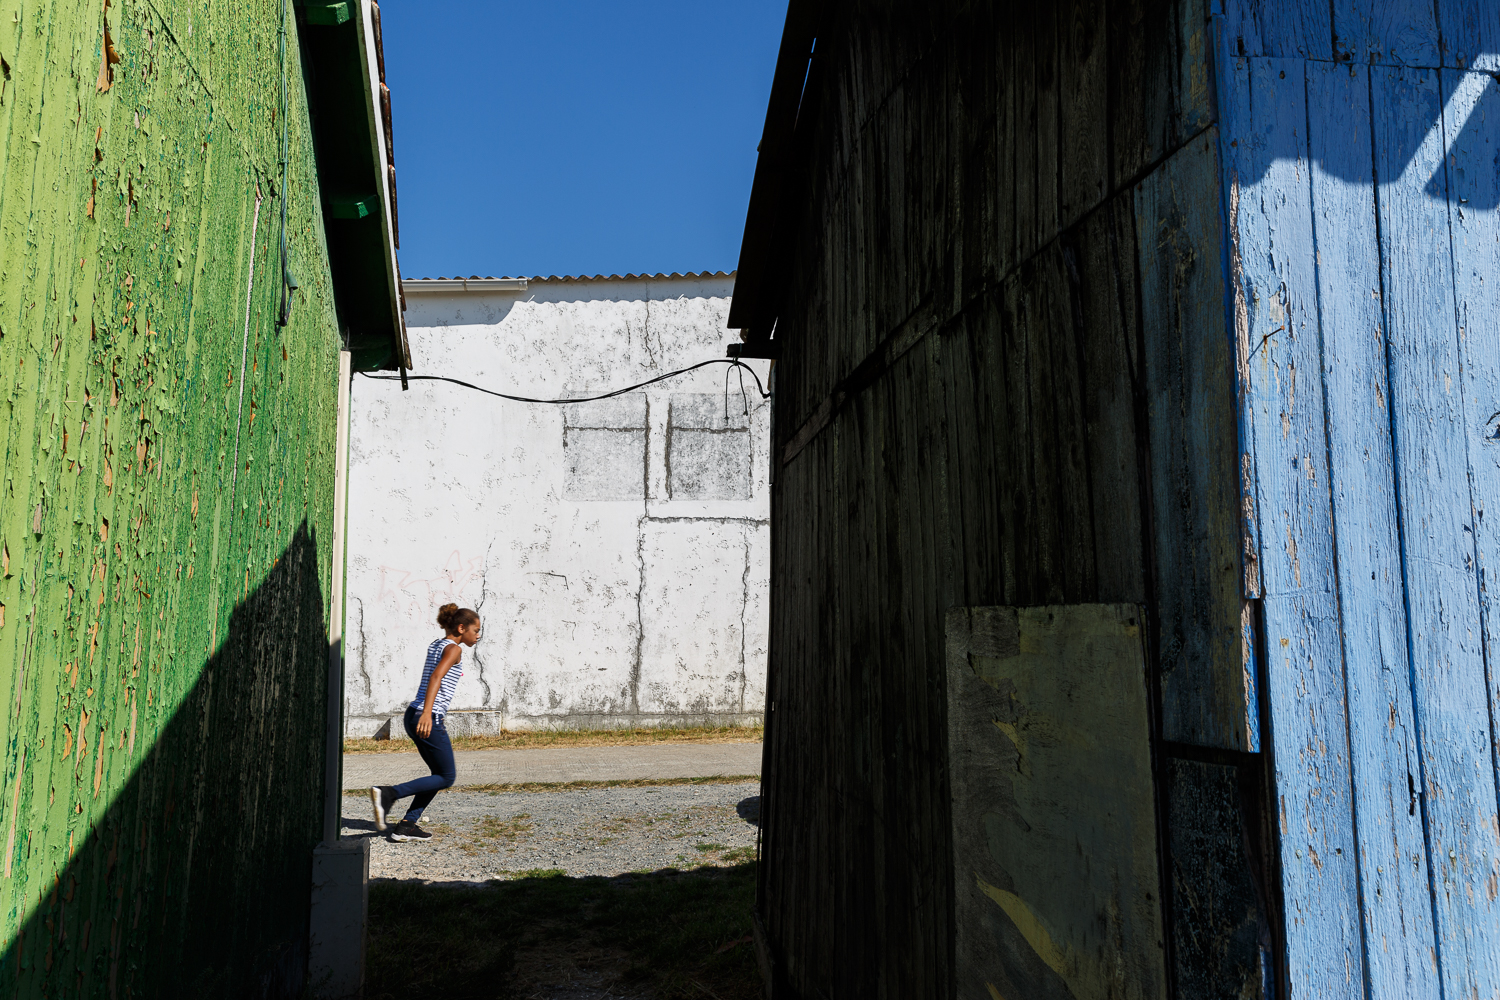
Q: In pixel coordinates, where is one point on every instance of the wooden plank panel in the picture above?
(1194, 441)
(1457, 774)
(1470, 33)
(977, 153)
(1216, 919)
(1140, 86)
(1268, 166)
(1008, 123)
(1193, 86)
(1475, 217)
(1471, 123)
(1059, 480)
(1386, 31)
(1395, 900)
(1054, 863)
(1101, 266)
(1017, 500)
(1083, 108)
(1044, 47)
(1030, 106)
(1278, 28)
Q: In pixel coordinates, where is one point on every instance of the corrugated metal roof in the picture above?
(489, 282)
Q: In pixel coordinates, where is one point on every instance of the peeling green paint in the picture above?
(162, 615)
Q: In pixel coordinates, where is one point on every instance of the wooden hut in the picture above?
(1135, 428)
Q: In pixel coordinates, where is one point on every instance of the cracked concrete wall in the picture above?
(618, 551)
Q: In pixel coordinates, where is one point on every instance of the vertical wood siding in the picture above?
(1053, 340)
(1010, 216)
(162, 614)
(1360, 178)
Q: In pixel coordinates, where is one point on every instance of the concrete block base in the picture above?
(340, 902)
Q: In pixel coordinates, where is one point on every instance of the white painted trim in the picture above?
(333, 751)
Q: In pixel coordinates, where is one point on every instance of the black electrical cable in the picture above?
(731, 362)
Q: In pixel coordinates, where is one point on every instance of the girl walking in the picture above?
(424, 724)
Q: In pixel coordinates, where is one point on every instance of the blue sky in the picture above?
(574, 137)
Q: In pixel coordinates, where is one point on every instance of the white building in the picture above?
(617, 551)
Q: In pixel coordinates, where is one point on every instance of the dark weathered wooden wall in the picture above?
(1186, 306)
(994, 390)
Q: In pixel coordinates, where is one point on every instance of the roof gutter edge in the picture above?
(427, 286)
(377, 141)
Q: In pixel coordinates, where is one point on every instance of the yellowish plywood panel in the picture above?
(1054, 831)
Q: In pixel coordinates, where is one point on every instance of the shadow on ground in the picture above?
(195, 881)
(749, 810)
(668, 934)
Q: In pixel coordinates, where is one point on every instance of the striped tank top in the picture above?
(450, 680)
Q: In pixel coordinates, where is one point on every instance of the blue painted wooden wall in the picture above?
(1360, 150)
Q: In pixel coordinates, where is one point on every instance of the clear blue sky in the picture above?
(573, 137)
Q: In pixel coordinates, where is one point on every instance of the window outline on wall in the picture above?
(737, 422)
(613, 416)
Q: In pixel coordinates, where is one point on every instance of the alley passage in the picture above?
(640, 892)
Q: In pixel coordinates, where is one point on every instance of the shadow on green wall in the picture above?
(196, 882)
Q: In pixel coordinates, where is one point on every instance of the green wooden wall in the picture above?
(164, 517)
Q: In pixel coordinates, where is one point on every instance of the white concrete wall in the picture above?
(617, 551)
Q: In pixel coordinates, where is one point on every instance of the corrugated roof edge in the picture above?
(483, 283)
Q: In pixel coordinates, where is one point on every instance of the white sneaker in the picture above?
(382, 797)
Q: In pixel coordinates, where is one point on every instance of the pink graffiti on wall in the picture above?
(421, 592)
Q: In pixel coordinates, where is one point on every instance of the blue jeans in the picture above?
(437, 753)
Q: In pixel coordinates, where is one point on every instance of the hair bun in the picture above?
(446, 614)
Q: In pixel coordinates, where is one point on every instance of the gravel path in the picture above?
(480, 835)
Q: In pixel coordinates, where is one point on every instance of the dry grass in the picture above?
(534, 739)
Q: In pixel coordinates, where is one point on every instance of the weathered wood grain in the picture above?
(1278, 28)
(1442, 592)
(1470, 33)
(1268, 170)
(1394, 891)
(1216, 913)
(1386, 31)
(1159, 86)
(1083, 96)
(1471, 126)
(1474, 214)
(1055, 864)
(963, 383)
(1193, 434)
(1101, 269)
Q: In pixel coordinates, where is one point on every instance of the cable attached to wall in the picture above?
(731, 362)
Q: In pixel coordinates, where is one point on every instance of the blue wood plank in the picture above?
(1273, 232)
(1279, 28)
(1471, 124)
(1448, 672)
(1395, 896)
(1470, 33)
(1401, 32)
